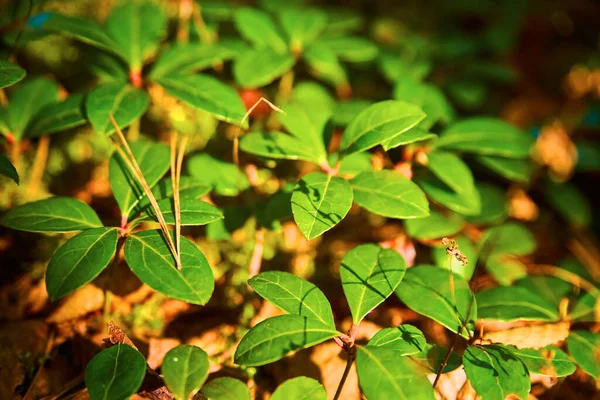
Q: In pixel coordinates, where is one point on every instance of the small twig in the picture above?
(446, 358)
(39, 165)
(174, 140)
(351, 356)
(136, 170)
(176, 195)
(567, 276)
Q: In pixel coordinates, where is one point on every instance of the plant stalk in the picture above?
(107, 290)
(39, 165)
(351, 356)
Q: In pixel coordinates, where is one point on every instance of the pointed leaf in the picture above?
(324, 64)
(495, 372)
(57, 117)
(435, 226)
(584, 347)
(513, 303)
(427, 290)
(259, 67)
(224, 177)
(189, 187)
(277, 145)
(404, 340)
(293, 295)
(150, 258)
(549, 361)
(302, 26)
(27, 100)
(193, 212)
(308, 125)
(257, 27)
(185, 368)
(10, 74)
(120, 100)
(451, 170)
(517, 170)
(7, 169)
(427, 96)
(225, 389)
(207, 93)
(300, 388)
(380, 123)
(347, 110)
(389, 194)
(384, 375)
(277, 337)
(80, 260)
(320, 202)
(187, 58)
(55, 214)
(467, 202)
(412, 135)
(370, 274)
(154, 161)
(115, 373)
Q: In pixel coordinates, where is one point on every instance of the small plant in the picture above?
(255, 150)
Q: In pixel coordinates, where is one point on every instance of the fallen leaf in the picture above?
(81, 302)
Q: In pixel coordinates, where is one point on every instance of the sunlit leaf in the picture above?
(185, 368)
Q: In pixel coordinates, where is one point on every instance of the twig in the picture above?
(351, 356)
(39, 164)
(176, 195)
(174, 140)
(136, 170)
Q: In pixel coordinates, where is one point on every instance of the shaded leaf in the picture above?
(187, 58)
(517, 170)
(347, 110)
(427, 96)
(224, 177)
(324, 64)
(451, 170)
(57, 117)
(549, 361)
(7, 169)
(584, 347)
(277, 145)
(351, 48)
(185, 368)
(257, 27)
(10, 74)
(256, 68)
(467, 202)
(27, 100)
(432, 357)
(404, 340)
(512, 303)
(226, 389)
(570, 203)
(435, 226)
(493, 205)
(193, 212)
(308, 125)
(510, 238)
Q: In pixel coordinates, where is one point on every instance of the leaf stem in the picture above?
(351, 356)
(107, 290)
(137, 172)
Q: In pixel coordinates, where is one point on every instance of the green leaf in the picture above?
(549, 361)
(384, 375)
(7, 169)
(517, 170)
(505, 268)
(302, 26)
(433, 356)
(277, 145)
(226, 389)
(57, 117)
(351, 48)
(27, 100)
(486, 136)
(512, 303)
(352, 165)
(193, 212)
(257, 27)
(293, 295)
(389, 194)
(259, 67)
(189, 187)
(347, 110)
(187, 58)
(412, 135)
(224, 177)
(320, 202)
(584, 347)
(324, 64)
(550, 288)
(55, 214)
(395, 67)
(427, 96)
(83, 30)
(115, 373)
(185, 368)
(511, 238)
(154, 161)
(120, 100)
(495, 372)
(277, 337)
(404, 340)
(300, 388)
(467, 248)
(435, 226)
(10, 74)
(137, 27)
(452, 171)
(466, 203)
(207, 93)
(80, 260)
(315, 99)
(493, 205)
(150, 258)
(427, 291)
(570, 203)
(380, 123)
(308, 125)
(370, 274)
(276, 208)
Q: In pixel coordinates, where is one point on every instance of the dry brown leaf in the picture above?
(26, 295)
(532, 336)
(116, 335)
(83, 301)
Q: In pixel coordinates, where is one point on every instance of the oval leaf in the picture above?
(466, 202)
(584, 347)
(277, 145)
(404, 340)
(80, 260)
(185, 368)
(193, 212)
(435, 226)
(257, 27)
(186, 58)
(517, 170)
(300, 388)
(370, 274)
(150, 258)
(512, 303)
(57, 117)
(548, 361)
(7, 169)
(27, 100)
(226, 389)
(225, 177)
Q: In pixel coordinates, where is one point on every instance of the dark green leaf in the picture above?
(549, 361)
(10, 74)
(300, 388)
(351, 48)
(493, 205)
(224, 177)
(259, 67)
(193, 212)
(7, 169)
(225, 389)
(511, 238)
(235, 217)
(276, 208)
(370, 274)
(466, 202)
(435, 226)
(584, 347)
(278, 145)
(293, 295)
(404, 340)
(320, 202)
(570, 203)
(277, 337)
(187, 58)
(80, 260)
(380, 123)
(384, 375)
(347, 110)
(257, 27)
(55, 214)
(57, 117)
(512, 303)
(115, 373)
(185, 368)
(427, 290)
(120, 100)
(389, 194)
(207, 93)
(518, 170)
(394, 67)
(302, 26)
(495, 372)
(433, 356)
(27, 100)
(452, 171)
(427, 96)
(324, 64)
(150, 258)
